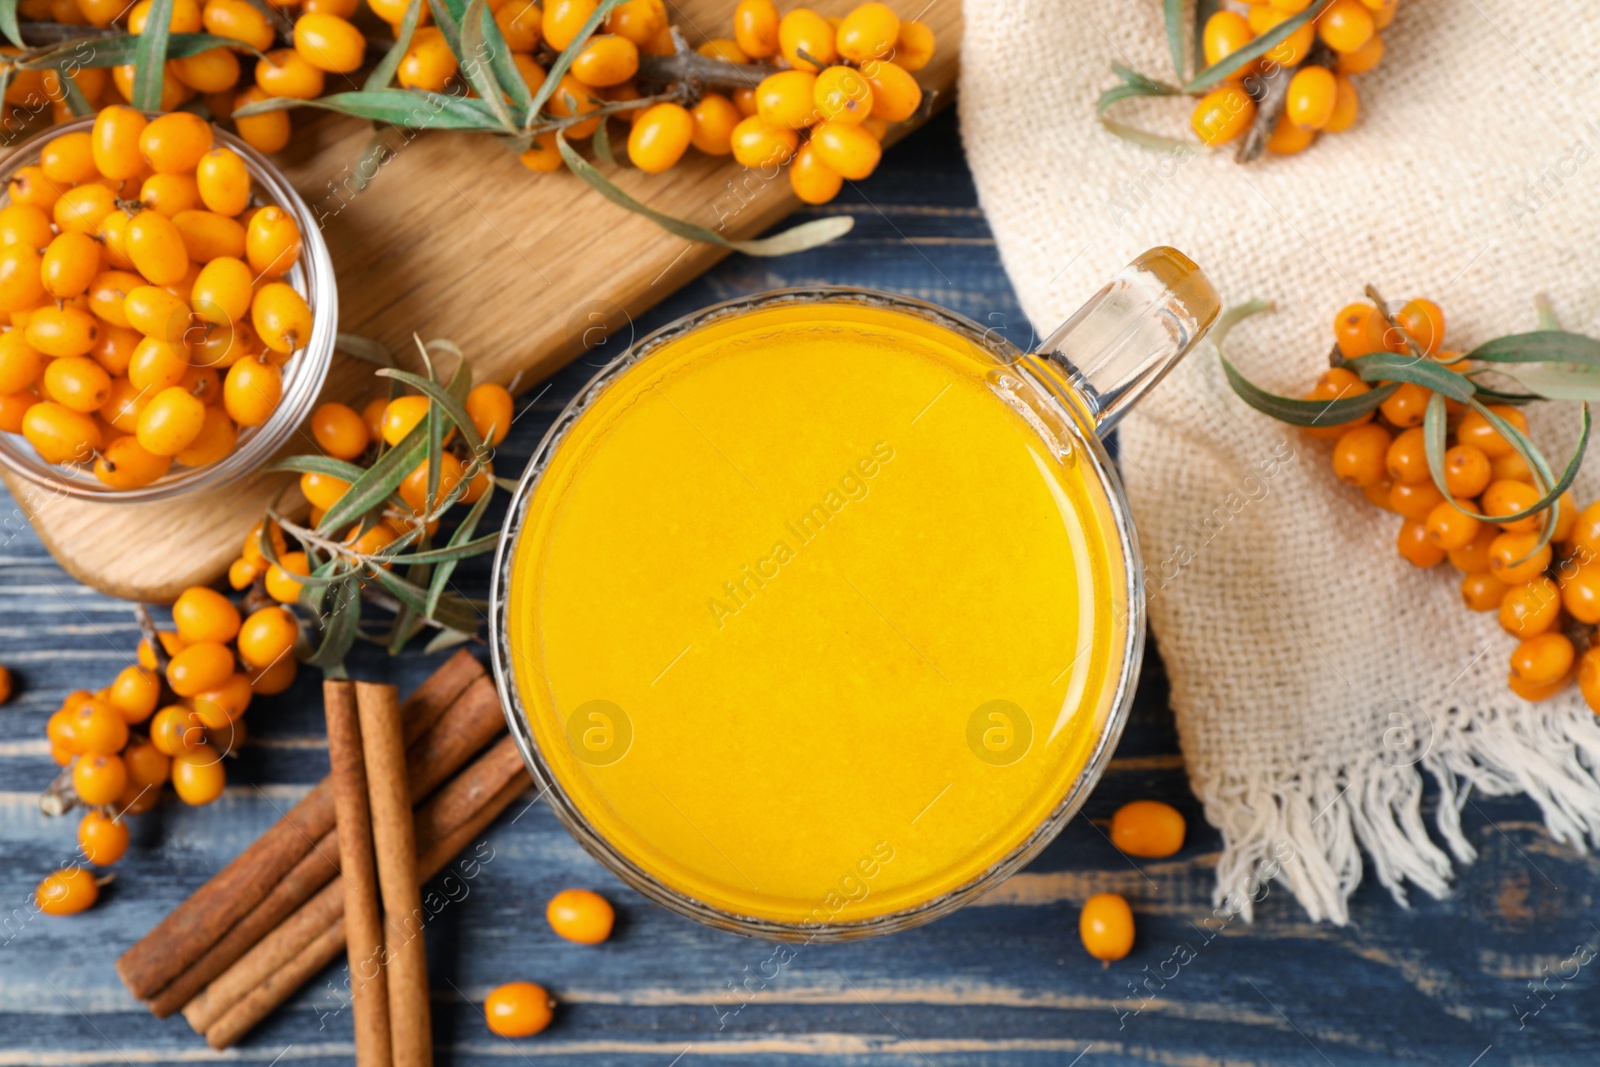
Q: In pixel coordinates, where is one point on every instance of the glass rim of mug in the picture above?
(1081, 426)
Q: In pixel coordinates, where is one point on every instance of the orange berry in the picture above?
(173, 730)
(1482, 591)
(98, 779)
(1225, 33)
(135, 693)
(1337, 383)
(340, 432)
(1423, 322)
(580, 915)
(1449, 528)
(868, 32)
(1477, 431)
(102, 838)
(171, 644)
(274, 679)
(1345, 25)
(1407, 405)
(1106, 926)
(198, 776)
(518, 1009)
(1580, 593)
(1147, 828)
(1530, 609)
(202, 614)
(1589, 677)
(1416, 547)
(804, 31)
(490, 408)
(67, 892)
(1407, 457)
(1466, 471)
(1507, 562)
(812, 180)
(1358, 455)
(280, 582)
(1222, 114)
(97, 728)
(1508, 498)
(1528, 691)
(199, 667)
(755, 27)
(1543, 659)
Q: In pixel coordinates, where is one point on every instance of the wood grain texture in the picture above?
(1001, 984)
(453, 239)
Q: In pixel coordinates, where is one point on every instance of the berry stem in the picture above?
(58, 797)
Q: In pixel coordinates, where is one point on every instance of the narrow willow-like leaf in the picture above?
(339, 634)
(1540, 346)
(459, 540)
(77, 103)
(447, 16)
(1499, 396)
(1146, 139)
(602, 144)
(452, 552)
(1257, 48)
(380, 480)
(795, 239)
(1174, 19)
(124, 49)
(435, 422)
(470, 59)
(1305, 412)
(382, 74)
(452, 612)
(446, 638)
(1556, 381)
(8, 22)
(336, 468)
(364, 348)
(398, 107)
(150, 57)
(564, 60)
(452, 407)
(1203, 10)
(1435, 442)
(505, 67)
(1386, 366)
(1545, 477)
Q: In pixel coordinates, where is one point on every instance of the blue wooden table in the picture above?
(1500, 973)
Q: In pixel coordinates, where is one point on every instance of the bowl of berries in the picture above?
(168, 307)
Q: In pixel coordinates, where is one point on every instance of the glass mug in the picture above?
(818, 614)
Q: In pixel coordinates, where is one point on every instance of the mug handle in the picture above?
(1130, 333)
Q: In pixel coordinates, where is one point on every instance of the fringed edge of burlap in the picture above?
(1306, 827)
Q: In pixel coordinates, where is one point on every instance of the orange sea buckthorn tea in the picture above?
(818, 612)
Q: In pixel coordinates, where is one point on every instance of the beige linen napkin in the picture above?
(1316, 675)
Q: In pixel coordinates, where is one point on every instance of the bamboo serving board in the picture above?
(454, 239)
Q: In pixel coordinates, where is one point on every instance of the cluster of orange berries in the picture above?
(845, 81)
(1538, 590)
(343, 433)
(171, 716)
(1145, 828)
(522, 1009)
(1320, 97)
(148, 321)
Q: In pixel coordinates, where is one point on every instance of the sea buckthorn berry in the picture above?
(275, 678)
(216, 438)
(329, 43)
(84, 209)
(489, 406)
(281, 317)
(807, 40)
(580, 915)
(1225, 33)
(272, 242)
(1510, 467)
(251, 549)
(1423, 321)
(758, 143)
(285, 72)
(1530, 609)
(1382, 12)
(1312, 92)
(1482, 591)
(222, 293)
(208, 235)
(221, 705)
(1448, 527)
(1362, 59)
(1510, 559)
(868, 32)
(518, 1009)
(77, 382)
(102, 839)
(340, 432)
(479, 485)
(20, 287)
(62, 331)
(281, 584)
(198, 776)
(97, 728)
(895, 93)
(67, 892)
(175, 143)
(1359, 330)
(1346, 106)
(113, 234)
(1530, 692)
(169, 194)
(519, 22)
(59, 434)
(322, 490)
(544, 156)
(812, 180)
(564, 18)
(69, 158)
(266, 132)
(714, 118)
(199, 667)
(1345, 25)
(787, 99)
(240, 20)
(211, 71)
(171, 644)
(170, 422)
(156, 365)
(745, 100)
(428, 64)
(173, 731)
(1414, 500)
(203, 614)
(1106, 927)
(1580, 593)
(14, 409)
(114, 350)
(1407, 458)
(755, 27)
(1566, 517)
(1543, 659)
(723, 48)
(98, 779)
(1466, 470)
(251, 392)
(1147, 828)
(1407, 405)
(20, 363)
(606, 60)
(842, 94)
(1589, 677)
(26, 225)
(660, 137)
(30, 186)
(135, 693)
(156, 248)
(1508, 498)
(1222, 114)
(1416, 547)
(1292, 49)
(185, 17)
(401, 416)
(848, 150)
(637, 20)
(126, 464)
(914, 50)
(115, 140)
(414, 490)
(1358, 455)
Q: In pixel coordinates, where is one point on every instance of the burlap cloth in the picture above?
(1315, 675)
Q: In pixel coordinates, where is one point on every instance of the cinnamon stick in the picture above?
(203, 919)
(405, 956)
(363, 922)
(283, 961)
(449, 739)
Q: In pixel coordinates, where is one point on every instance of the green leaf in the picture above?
(795, 239)
(447, 639)
(1386, 366)
(505, 67)
(336, 468)
(447, 16)
(150, 57)
(1203, 10)
(452, 552)
(123, 49)
(1257, 48)
(564, 60)
(364, 348)
(381, 479)
(1544, 477)
(1305, 412)
(1435, 442)
(398, 107)
(383, 73)
(478, 73)
(1174, 18)
(1556, 381)
(8, 22)
(602, 144)
(1540, 346)
(459, 540)
(452, 407)
(343, 622)
(1153, 141)
(76, 102)
(451, 611)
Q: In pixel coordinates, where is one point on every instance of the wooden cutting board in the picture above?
(453, 239)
